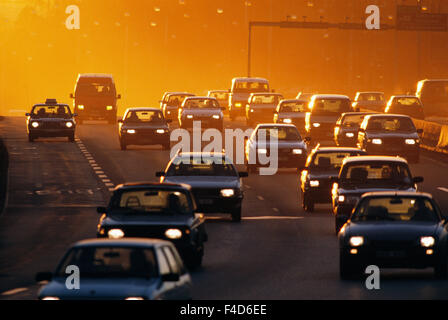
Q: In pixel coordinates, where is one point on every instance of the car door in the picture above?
(184, 285)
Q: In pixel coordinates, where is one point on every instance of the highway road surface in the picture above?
(277, 252)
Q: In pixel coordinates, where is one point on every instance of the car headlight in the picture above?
(356, 241)
(238, 105)
(227, 193)
(262, 151)
(427, 242)
(341, 198)
(69, 124)
(216, 117)
(160, 131)
(190, 116)
(50, 298)
(80, 107)
(115, 234)
(35, 124)
(173, 234)
(316, 125)
(109, 108)
(410, 141)
(297, 151)
(350, 135)
(377, 141)
(314, 183)
(134, 299)
(252, 110)
(131, 131)
(287, 121)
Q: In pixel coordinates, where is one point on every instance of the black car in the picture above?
(214, 179)
(365, 174)
(153, 210)
(144, 126)
(392, 135)
(347, 127)
(51, 120)
(284, 138)
(292, 112)
(320, 172)
(394, 230)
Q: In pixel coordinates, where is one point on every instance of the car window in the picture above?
(396, 209)
(179, 261)
(164, 267)
(154, 202)
(329, 160)
(280, 133)
(330, 106)
(299, 106)
(111, 262)
(219, 95)
(201, 104)
(171, 260)
(353, 121)
(250, 86)
(201, 166)
(408, 102)
(391, 124)
(266, 99)
(144, 116)
(371, 97)
(51, 112)
(176, 100)
(376, 173)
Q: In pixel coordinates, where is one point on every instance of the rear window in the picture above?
(330, 106)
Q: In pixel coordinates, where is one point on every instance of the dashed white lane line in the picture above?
(14, 291)
(276, 210)
(260, 198)
(443, 189)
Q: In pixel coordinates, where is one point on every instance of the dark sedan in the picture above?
(144, 126)
(346, 129)
(392, 135)
(215, 181)
(394, 230)
(408, 105)
(153, 210)
(320, 172)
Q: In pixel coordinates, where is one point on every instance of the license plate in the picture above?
(206, 201)
(391, 254)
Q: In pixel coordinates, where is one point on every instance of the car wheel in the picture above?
(236, 215)
(308, 203)
(346, 269)
(441, 269)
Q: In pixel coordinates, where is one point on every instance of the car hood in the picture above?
(113, 219)
(51, 119)
(144, 126)
(383, 135)
(205, 182)
(202, 112)
(391, 230)
(283, 144)
(109, 289)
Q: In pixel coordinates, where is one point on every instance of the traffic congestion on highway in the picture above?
(235, 192)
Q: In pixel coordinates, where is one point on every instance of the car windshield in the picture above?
(152, 202)
(250, 86)
(280, 133)
(176, 100)
(353, 121)
(266, 99)
(201, 104)
(220, 95)
(329, 161)
(371, 97)
(95, 88)
(295, 107)
(407, 102)
(201, 166)
(144, 117)
(330, 106)
(376, 174)
(396, 209)
(111, 262)
(391, 124)
(43, 112)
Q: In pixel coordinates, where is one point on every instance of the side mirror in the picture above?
(72, 96)
(44, 276)
(170, 277)
(160, 174)
(28, 114)
(101, 210)
(243, 174)
(119, 96)
(418, 180)
(420, 131)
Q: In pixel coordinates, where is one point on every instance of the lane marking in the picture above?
(260, 198)
(276, 210)
(14, 291)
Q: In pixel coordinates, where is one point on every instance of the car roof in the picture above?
(151, 185)
(293, 100)
(397, 193)
(330, 96)
(249, 79)
(200, 97)
(220, 91)
(338, 149)
(386, 115)
(369, 92)
(265, 125)
(95, 75)
(404, 96)
(143, 109)
(266, 94)
(179, 93)
(357, 113)
(374, 158)
(433, 80)
(134, 242)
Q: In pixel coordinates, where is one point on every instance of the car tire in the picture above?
(236, 215)
(307, 203)
(441, 269)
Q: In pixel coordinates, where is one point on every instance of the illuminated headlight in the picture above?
(216, 117)
(356, 241)
(297, 151)
(160, 131)
(69, 124)
(238, 105)
(109, 108)
(51, 298)
(115, 234)
(377, 141)
(287, 121)
(81, 107)
(350, 135)
(168, 112)
(316, 125)
(252, 110)
(341, 199)
(410, 141)
(314, 183)
(190, 116)
(173, 234)
(427, 242)
(35, 124)
(134, 299)
(131, 131)
(262, 151)
(227, 193)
